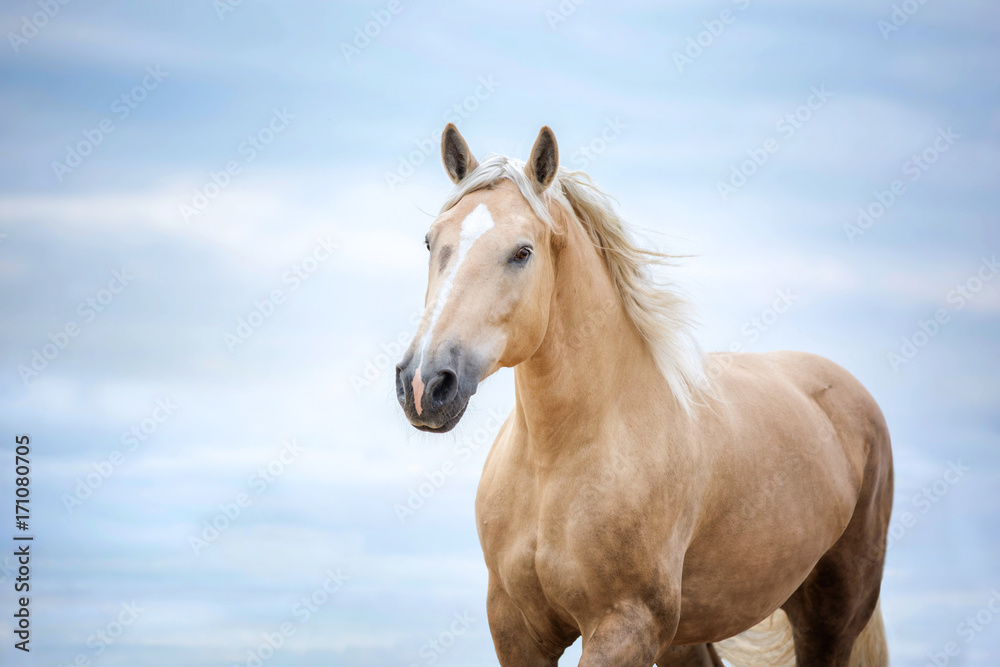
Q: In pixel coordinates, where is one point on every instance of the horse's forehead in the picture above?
(506, 205)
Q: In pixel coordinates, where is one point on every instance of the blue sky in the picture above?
(229, 212)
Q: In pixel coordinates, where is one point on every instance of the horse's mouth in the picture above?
(449, 424)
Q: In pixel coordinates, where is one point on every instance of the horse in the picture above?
(653, 499)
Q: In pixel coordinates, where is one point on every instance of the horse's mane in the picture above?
(659, 312)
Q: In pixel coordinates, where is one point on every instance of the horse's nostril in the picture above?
(444, 388)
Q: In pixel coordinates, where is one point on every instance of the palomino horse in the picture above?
(644, 496)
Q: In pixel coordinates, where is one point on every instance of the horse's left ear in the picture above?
(544, 161)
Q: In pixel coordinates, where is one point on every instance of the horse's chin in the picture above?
(448, 425)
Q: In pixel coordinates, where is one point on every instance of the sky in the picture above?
(211, 257)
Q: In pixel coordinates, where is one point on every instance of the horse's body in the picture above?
(617, 507)
(726, 515)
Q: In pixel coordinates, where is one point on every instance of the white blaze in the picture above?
(475, 225)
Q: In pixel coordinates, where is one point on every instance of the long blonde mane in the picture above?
(657, 309)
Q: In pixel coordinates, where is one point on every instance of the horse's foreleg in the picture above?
(626, 636)
(516, 644)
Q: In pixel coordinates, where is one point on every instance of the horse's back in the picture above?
(847, 403)
(785, 378)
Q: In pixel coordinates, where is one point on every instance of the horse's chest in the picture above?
(555, 539)
(542, 565)
(535, 570)
(508, 529)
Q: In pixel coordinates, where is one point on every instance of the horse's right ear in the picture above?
(458, 160)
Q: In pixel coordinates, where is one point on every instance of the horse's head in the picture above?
(490, 281)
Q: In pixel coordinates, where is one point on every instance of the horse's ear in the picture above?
(544, 160)
(458, 160)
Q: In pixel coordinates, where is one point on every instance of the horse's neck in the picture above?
(591, 357)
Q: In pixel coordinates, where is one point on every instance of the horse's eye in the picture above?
(522, 254)
(427, 242)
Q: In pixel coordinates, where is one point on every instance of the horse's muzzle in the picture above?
(434, 390)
